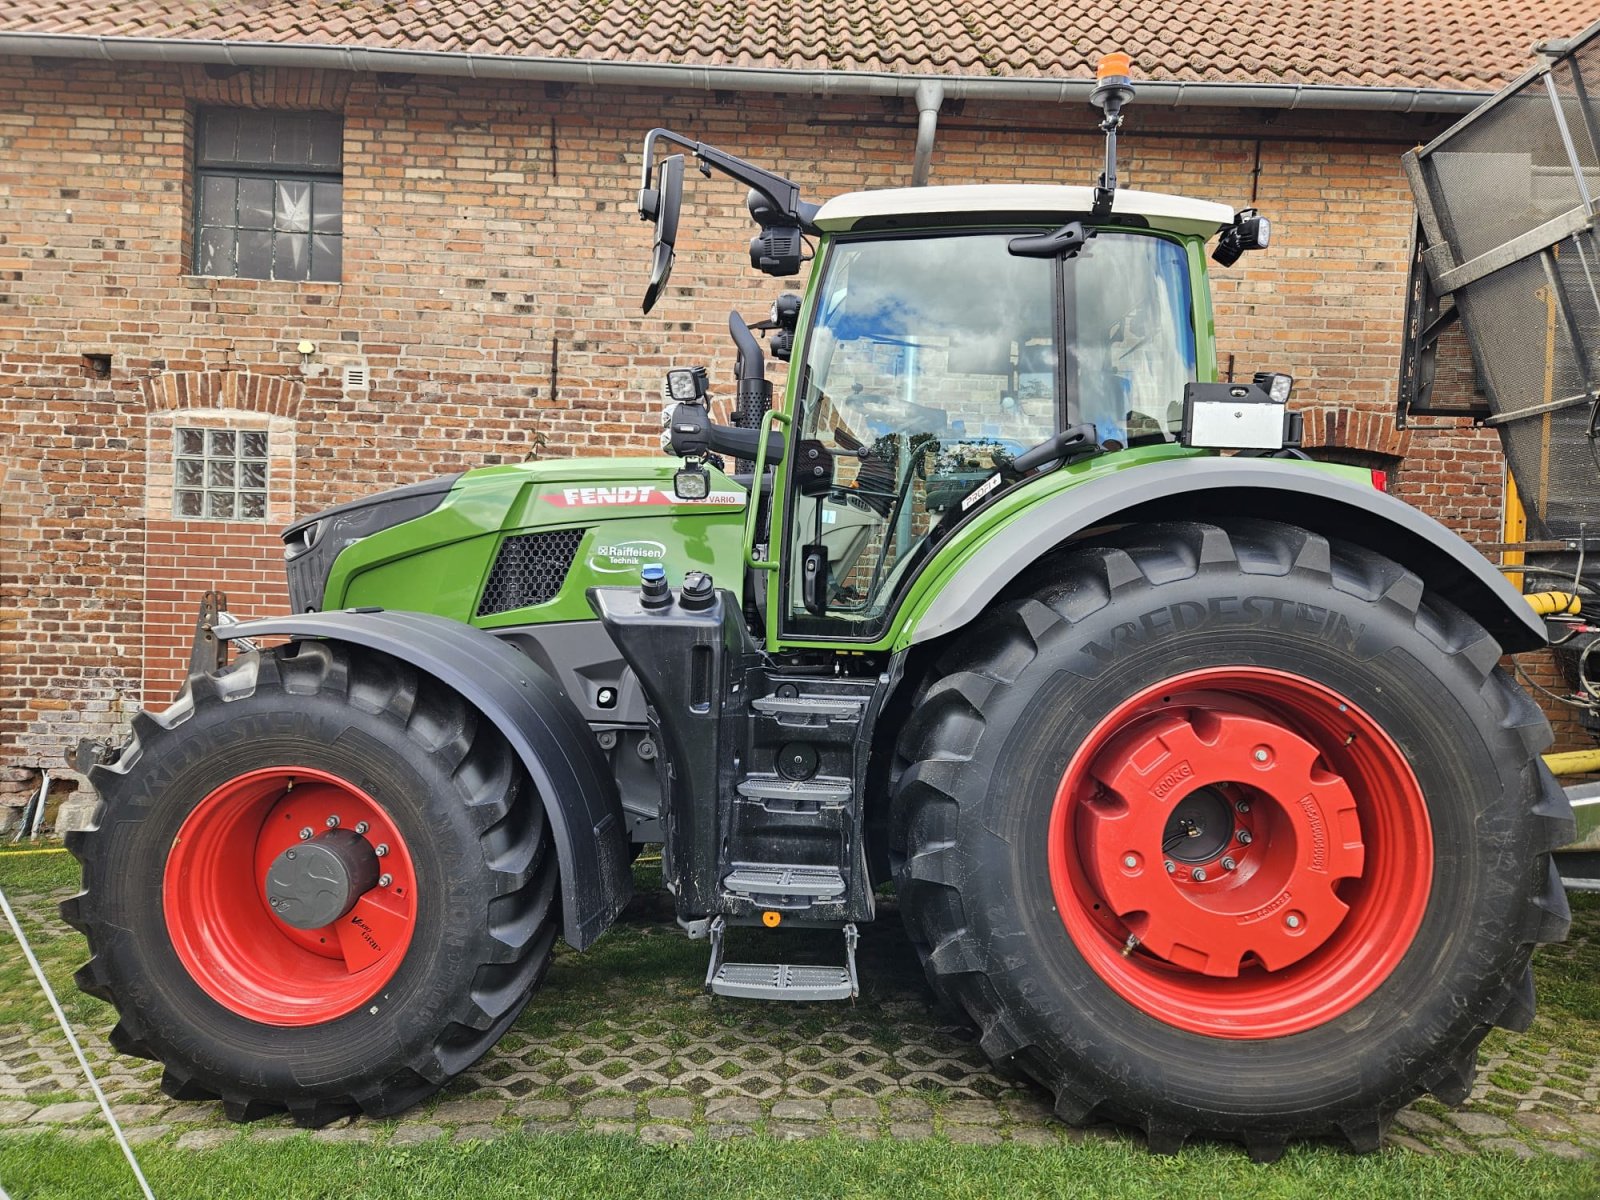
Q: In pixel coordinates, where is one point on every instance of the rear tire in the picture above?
(1020, 888)
(207, 981)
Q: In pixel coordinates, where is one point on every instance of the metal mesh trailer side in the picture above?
(1506, 205)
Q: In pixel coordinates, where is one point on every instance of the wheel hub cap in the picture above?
(1200, 827)
(317, 882)
(1163, 796)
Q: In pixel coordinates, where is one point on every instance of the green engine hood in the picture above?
(621, 512)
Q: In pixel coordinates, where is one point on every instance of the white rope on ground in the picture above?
(66, 1028)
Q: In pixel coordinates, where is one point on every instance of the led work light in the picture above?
(687, 385)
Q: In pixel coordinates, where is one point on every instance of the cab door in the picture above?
(929, 360)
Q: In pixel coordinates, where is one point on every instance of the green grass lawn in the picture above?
(648, 973)
(591, 1166)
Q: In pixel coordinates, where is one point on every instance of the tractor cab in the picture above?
(935, 361)
(953, 345)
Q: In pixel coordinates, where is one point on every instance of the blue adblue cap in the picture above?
(653, 571)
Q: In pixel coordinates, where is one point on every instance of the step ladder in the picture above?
(782, 981)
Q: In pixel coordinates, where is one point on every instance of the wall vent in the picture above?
(355, 379)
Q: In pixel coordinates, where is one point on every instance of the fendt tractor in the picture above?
(1189, 760)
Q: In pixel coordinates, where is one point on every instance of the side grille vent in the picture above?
(530, 569)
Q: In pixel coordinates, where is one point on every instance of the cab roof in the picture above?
(905, 208)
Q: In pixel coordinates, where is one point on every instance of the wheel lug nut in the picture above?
(332, 822)
(1260, 754)
(1199, 874)
(1229, 865)
(1171, 866)
(385, 880)
(362, 827)
(381, 849)
(1242, 806)
(1130, 861)
(305, 834)
(1292, 921)
(1244, 837)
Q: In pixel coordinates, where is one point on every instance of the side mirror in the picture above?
(660, 204)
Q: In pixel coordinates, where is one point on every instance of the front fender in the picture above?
(1213, 488)
(535, 716)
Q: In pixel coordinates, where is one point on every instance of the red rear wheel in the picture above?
(1228, 830)
(1240, 852)
(219, 909)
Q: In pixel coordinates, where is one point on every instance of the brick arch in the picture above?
(268, 87)
(241, 391)
(1363, 430)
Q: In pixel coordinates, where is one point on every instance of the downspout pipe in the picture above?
(930, 96)
(694, 77)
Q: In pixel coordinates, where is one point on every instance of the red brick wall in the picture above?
(493, 265)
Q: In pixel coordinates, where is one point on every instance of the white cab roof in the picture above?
(909, 207)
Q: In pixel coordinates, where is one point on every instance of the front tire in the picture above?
(1230, 832)
(451, 932)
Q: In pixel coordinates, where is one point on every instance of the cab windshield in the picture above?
(933, 361)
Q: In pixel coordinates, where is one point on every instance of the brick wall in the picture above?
(493, 265)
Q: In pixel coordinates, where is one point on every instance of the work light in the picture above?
(687, 384)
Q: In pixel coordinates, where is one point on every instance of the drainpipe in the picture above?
(930, 95)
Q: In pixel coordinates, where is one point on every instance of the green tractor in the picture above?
(1188, 759)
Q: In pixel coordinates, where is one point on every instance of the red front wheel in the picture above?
(318, 883)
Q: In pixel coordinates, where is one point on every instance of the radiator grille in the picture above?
(530, 569)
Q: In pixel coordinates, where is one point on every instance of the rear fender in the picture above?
(1216, 488)
(536, 717)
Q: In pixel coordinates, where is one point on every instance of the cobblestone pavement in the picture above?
(622, 1040)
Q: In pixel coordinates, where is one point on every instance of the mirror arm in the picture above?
(692, 434)
(783, 194)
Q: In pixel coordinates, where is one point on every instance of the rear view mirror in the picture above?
(661, 204)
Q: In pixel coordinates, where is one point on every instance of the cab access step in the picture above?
(781, 981)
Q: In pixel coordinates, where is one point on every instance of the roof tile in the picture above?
(1474, 44)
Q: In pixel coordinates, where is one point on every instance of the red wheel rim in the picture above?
(1300, 852)
(223, 929)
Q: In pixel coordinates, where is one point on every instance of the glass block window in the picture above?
(220, 474)
(269, 195)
